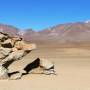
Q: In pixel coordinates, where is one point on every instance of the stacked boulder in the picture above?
(14, 48)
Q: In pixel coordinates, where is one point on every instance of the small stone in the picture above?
(3, 73)
(16, 76)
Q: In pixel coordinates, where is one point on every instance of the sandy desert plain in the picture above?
(72, 65)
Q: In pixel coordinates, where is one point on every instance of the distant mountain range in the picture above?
(69, 32)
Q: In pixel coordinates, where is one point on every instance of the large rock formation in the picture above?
(13, 49)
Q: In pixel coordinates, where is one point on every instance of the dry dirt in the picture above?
(72, 66)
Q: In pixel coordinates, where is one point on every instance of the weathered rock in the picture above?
(14, 48)
(46, 63)
(3, 73)
(3, 36)
(4, 52)
(16, 76)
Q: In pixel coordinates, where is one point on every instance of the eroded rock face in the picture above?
(3, 72)
(13, 49)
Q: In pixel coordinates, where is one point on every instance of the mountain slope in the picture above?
(13, 31)
(71, 32)
(63, 33)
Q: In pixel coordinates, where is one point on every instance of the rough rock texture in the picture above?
(3, 72)
(13, 49)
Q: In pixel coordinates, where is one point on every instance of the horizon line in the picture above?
(51, 26)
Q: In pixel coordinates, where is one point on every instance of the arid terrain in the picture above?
(72, 66)
(67, 45)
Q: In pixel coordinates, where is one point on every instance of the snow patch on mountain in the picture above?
(21, 32)
(88, 21)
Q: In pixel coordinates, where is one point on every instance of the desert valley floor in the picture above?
(72, 66)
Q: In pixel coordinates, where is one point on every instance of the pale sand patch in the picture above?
(72, 66)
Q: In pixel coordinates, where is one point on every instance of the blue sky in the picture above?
(40, 14)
